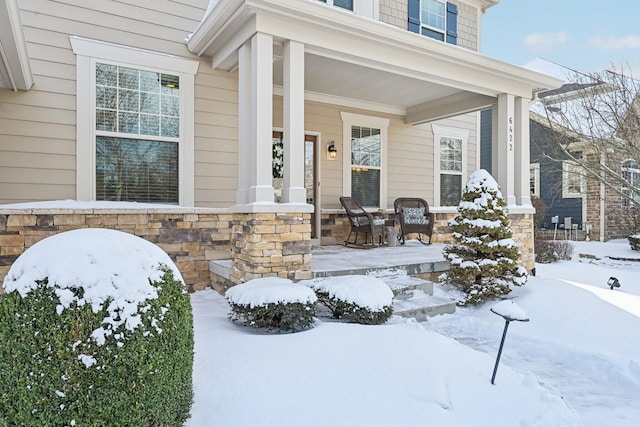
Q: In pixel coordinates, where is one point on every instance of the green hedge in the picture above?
(141, 378)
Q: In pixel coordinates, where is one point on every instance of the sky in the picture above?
(584, 35)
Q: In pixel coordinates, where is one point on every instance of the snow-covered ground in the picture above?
(576, 362)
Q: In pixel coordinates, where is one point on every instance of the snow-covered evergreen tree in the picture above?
(484, 260)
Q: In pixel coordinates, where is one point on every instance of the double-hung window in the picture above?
(345, 4)
(534, 179)
(572, 179)
(437, 19)
(631, 176)
(134, 125)
(450, 153)
(137, 134)
(365, 141)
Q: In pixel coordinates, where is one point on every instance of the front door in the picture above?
(310, 172)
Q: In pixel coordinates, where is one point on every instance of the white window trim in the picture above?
(442, 31)
(535, 168)
(439, 132)
(351, 119)
(569, 167)
(365, 8)
(635, 171)
(89, 52)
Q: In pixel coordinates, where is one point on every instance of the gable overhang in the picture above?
(354, 59)
(15, 72)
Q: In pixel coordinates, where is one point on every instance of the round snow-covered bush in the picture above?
(96, 328)
(272, 303)
(634, 242)
(355, 299)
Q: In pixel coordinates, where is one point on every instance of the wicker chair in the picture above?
(371, 224)
(414, 217)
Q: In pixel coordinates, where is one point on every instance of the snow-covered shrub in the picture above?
(548, 251)
(95, 329)
(634, 241)
(272, 303)
(484, 260)
(355, 299)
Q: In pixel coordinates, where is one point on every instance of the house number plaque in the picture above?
(510, 134)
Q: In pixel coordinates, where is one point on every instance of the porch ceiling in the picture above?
(338, 79)
(351, 60)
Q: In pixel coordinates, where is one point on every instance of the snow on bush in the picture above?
(356, 299)
(95, 328)
(484, 260)
(272, 303)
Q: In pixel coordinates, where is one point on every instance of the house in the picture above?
(183, 104)
(574, 199)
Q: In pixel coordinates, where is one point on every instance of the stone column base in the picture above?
(271, 245)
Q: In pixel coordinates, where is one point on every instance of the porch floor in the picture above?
(413, 257)
(336, 260)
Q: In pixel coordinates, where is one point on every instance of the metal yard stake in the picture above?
(508, 317)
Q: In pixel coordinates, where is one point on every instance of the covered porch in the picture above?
(307, 54)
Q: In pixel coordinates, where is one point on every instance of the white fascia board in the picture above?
(323, 30)
(15, 71)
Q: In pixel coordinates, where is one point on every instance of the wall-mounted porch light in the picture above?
(332, 151)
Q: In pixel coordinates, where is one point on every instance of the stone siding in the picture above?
(191, 237)
(271, 245)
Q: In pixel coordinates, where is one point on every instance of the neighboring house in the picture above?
(570, 196)
(184, 103)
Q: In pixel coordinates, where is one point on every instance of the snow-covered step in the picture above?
(422, 306)
(403, 286)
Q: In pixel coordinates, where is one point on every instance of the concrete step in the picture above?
(404, 286)
(413, 297)
(421, 306)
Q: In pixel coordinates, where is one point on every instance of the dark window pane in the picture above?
(149, 125)
(128, 100)
(107, 75)
(128, 122)
(149, 103)
(170, 127)
(365, 186)
(345, 4)
(106, 120)
(450, 189)
(136, 170)
(149, 81)
(128, 78)
(106, 97)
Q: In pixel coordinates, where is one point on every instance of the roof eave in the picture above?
(15, 71)
(229, 15)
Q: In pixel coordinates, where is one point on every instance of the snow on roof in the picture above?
(105, 264)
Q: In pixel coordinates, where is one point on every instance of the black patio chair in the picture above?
(414, 217)
(371, 224)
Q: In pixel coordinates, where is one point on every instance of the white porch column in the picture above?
(521, 113)
(261, 126)
(293, 160)
(506, 148)
(244, 121)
